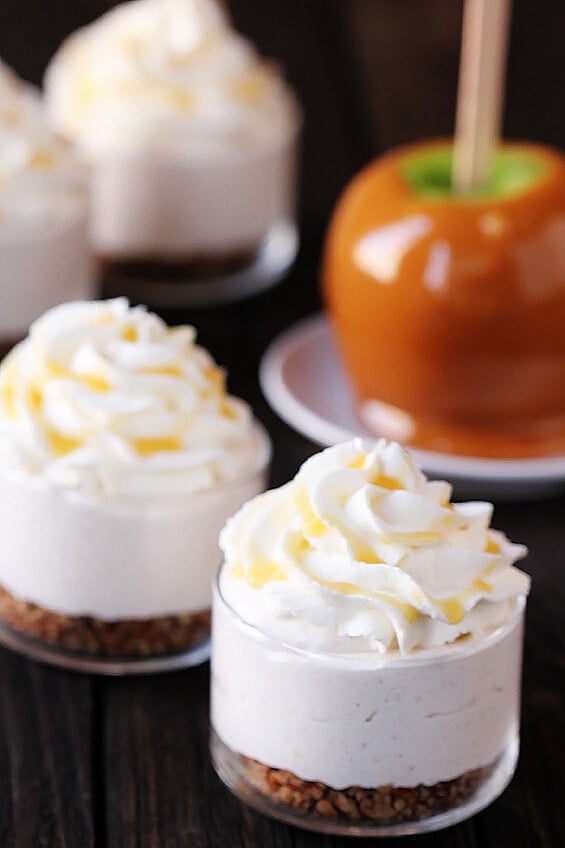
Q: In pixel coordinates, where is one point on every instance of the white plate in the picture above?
(304, 382)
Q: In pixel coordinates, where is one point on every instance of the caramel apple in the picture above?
(449, 309)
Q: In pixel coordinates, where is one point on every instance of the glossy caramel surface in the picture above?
(453, 309)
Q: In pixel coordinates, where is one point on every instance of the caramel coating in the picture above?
(451, 308)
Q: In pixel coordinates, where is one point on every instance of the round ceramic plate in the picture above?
(303, 380)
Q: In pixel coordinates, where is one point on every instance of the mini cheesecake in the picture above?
(366, 649)
(121, 456)
(44, 250)
(191, 137)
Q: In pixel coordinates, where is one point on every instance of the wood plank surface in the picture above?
(46, 756)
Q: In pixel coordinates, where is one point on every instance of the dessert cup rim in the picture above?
(456, 650)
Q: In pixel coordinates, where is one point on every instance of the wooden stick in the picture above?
(482, 69)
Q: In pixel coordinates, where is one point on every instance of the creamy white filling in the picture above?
(147, 206)
(117, 557)
(366, 719)
(42, 265)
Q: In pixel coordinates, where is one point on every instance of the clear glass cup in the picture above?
(170, 231)
(113, 585)
(364, 743)
(44, 261)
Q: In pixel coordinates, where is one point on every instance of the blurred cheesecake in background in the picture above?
(44, 252)
(192, 138)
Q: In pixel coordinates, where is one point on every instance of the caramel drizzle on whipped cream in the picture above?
(16, 396)
(260, 570)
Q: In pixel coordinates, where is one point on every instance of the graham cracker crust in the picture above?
(382, 805)
(142, 637)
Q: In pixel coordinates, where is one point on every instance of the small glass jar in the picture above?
(364, 744)
(172, 232)
(44, 260)
(193, 152)
(113, 585)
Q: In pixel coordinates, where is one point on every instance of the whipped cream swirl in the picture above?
(39, 176)
(360, 552)
(104, 398)
(169, 75)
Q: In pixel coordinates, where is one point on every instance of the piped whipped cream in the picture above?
(40, 179)
(104, 398)
(170, 75)
(360, 552)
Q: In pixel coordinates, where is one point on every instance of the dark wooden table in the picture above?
(118, 763)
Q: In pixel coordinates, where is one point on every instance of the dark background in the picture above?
(120, 763)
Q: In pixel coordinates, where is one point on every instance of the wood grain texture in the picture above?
(46, 739)
(155, 744)
(408, 58)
